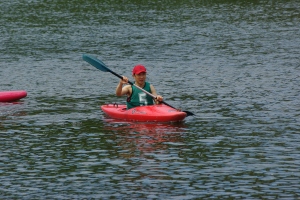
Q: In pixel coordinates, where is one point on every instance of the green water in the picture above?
(235, 64)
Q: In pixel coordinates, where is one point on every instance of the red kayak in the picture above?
(155, 113)
(9, 96)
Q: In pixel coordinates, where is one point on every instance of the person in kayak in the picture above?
(136, 97)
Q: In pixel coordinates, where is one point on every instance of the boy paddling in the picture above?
(136, 97)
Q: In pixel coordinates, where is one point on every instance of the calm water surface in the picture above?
(235, 64)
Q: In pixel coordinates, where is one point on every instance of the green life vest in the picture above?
(139, 98)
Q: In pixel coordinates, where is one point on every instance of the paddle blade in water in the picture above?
(188, 113)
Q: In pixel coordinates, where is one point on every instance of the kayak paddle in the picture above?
(101, 66)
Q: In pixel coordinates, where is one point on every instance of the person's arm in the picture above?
(159, 98)
(120, 90)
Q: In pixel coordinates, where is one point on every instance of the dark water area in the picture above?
(235, 64)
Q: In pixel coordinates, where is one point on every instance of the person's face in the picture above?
(141, 77)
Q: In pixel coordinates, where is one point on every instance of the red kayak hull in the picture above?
(153, 113)
(10, 96)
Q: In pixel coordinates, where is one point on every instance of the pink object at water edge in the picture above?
(11, 96)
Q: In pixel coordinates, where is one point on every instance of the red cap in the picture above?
(139, 69)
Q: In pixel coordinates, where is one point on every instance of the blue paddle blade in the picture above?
(95, 62)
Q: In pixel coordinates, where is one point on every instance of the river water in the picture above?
(235, 64)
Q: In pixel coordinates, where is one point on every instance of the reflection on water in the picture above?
(142, 138)
(10, 110)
